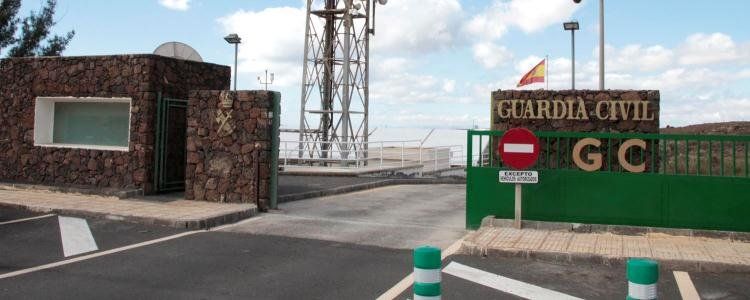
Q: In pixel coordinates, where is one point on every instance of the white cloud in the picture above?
(491, 55)
(408, 26)
(272, 39)
(176, 4)
(449, 85)
(402, 88)
(687, 110)
(413, 118)
(636, 57)
(700, 49)
(528, 15)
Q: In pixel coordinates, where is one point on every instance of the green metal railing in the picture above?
(694, 155)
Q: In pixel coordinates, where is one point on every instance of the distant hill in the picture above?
(732, 128)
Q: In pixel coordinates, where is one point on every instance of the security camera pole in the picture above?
(601, 42)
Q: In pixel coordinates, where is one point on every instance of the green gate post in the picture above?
(427, 265)
(642, 277)
(275, 150)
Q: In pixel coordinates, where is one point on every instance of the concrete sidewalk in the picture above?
(178, 214)
(682, 252)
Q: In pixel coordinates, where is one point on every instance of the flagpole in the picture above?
(546, 70)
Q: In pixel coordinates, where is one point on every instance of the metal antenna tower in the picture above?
(335, 96)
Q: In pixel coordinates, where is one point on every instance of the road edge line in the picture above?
(405, 283)
(95, 255)
(27, 219)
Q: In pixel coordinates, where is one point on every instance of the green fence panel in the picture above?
(676, 194)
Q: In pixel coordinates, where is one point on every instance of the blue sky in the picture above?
(435, 62)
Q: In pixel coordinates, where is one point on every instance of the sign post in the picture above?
(519, 149)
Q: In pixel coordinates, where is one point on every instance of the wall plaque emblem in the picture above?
(224, 119)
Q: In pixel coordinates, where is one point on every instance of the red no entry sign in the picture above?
(519, 148)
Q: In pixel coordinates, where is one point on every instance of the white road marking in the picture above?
(687, 289)
(95, 255)
(405, 283)
(76, 236)
(504, 284)
(518, 148)
(26, 219)
(222, 227)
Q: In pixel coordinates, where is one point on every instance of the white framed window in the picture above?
(83, 123)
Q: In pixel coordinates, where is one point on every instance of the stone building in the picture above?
(99, 121)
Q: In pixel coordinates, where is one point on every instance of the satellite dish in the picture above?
(178, 50)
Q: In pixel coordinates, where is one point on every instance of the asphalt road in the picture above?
(36, 242)
(240, 265)
(295, 184)
(586, 281)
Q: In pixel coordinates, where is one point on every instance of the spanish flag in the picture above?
(535, 75)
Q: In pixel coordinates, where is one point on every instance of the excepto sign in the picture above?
(519, 176)
(519, 148)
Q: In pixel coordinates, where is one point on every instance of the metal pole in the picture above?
(601, 45)
(236, 46)
(573, 54)
(517, 220)
(303, 102)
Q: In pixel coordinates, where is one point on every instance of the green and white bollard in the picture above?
(427, 265)
(642, 277)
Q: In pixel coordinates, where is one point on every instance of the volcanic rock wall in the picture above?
(139, 77)
(229, 146)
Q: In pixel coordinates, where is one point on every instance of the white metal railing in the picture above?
(380, 154)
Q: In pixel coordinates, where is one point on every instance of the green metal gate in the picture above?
(169, 150)
(690, 181)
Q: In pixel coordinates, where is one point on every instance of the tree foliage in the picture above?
(8, 21)
(34, 37)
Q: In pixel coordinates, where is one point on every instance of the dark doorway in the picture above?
(169, 151)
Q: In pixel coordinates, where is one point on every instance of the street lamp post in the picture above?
(236, 40)
(601, 42)
(266, 82)
(572, 26)
(601, 45)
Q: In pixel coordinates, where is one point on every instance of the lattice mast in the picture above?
(335, 95)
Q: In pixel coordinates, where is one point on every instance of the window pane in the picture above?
(91, 123)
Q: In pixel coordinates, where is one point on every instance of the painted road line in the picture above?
(222, 227)
(76, 236)
(504, 284)
(405, 283)
(27, 219)
(518, 148)
(687, 289)
(95, 255)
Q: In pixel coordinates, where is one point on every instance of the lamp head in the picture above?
(573, 25)
(233, 38)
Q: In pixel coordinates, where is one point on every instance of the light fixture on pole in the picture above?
(267, 81)
(236, 40)
(572, 26)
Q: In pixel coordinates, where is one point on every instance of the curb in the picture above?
(491, 221)
(470, 248)
(192, 224)
(366, 186)
(106, 192)
(348, 174)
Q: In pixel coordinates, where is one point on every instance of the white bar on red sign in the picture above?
(518, 148)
